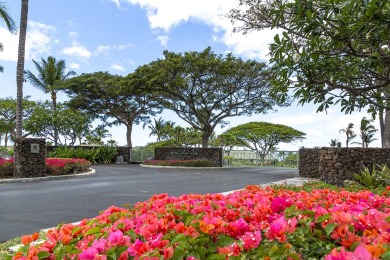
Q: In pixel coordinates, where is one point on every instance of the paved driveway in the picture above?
(30, 206)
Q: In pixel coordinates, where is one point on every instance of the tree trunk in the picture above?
(128, 135)
(386, 131)
(382, 127)
(18, 169)
(54, 102)
(20, 68)
(205, 139)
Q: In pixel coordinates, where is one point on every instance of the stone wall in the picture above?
(335, 165)
(29, 156)
(175, 153)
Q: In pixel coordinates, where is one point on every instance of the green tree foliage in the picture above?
(350, 134)
(8, 116)
(9, 22)
(328, 52)
(367, 132)
(262, 137)
(161, 128)
(227, 141)
(50, 75)
(333, 143)
(113, 99)
(205, 89)
(71, 125)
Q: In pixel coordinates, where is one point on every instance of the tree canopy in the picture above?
(329, 52)
(8, 115)
(113, 99)
(204, 89)
(263, 136)
(63, 126)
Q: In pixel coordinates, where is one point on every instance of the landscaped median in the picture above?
(277, 222)
(54, 166)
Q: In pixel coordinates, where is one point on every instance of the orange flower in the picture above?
(35, 236)
(204, 227)
(375, 250)
(26, 239)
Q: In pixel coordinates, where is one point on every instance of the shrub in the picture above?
(378, 177)
(6, 167)
(106, 154)
(254, 223)
(102, 154)
(58, 166)
(71, 152)
(183, 163)
(54, 166)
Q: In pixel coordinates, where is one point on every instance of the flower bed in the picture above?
(254, 223)
(183, 163)
(54, 166)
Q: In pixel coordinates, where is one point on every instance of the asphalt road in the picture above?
(27, 207)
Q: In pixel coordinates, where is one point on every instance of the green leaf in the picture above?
(178, 238)
(329, 228)
(323, 218)
(216, 257)
(277, 39)
(178, 254)
(224, 241)
(43, 255)
(92, 231)
(386, 256)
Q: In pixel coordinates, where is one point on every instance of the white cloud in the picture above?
(165, 15)
(163, 40)
(105, 49)
(38, 42)
(77, 50)
(74, 66)
(117, 67)
(117, 2)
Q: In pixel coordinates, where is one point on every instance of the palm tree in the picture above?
(20, 67)
(50, 75)
(161, 128)
(367, 132)
(9, 22)
(349, 133)
(19, 83)
(333, 142)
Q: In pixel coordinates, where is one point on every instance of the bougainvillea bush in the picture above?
(54, 166)
(183, 163)
(254, 223)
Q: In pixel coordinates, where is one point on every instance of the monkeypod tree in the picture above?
(329, 52)
(8, 115)
(263, 137)
(66, 125)
(204, 89)
(113, 99)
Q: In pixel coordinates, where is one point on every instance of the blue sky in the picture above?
(119, 35)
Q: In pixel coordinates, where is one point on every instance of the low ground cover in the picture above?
(183, 163)
(278, 222)
(54, 166)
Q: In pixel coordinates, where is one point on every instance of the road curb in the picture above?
(48, 178)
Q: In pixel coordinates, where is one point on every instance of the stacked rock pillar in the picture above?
(30, 157)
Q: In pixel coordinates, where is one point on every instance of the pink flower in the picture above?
(278, 230)
(251, 240)
(279, 204)
(360, 253)
(88, 254)
(115, 238)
